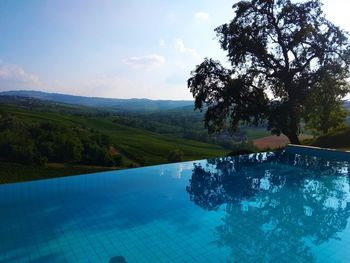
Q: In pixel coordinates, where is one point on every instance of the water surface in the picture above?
(263, 207)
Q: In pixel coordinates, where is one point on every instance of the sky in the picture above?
(116, 49)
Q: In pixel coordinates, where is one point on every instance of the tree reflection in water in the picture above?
(274, 207)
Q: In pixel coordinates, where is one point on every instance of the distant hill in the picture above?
(111, 104)
(347, 106)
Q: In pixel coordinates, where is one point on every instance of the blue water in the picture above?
(269, 207)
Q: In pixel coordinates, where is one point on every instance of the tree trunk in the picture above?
(293, 138)
(293, 128)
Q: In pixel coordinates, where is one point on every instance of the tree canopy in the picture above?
(279, 53)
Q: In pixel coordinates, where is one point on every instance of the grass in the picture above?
(13, 172)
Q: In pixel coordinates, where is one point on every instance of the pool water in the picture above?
(266, 207)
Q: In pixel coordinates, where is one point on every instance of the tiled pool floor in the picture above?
(272, 207)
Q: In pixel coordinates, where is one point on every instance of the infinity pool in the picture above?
(267, 207)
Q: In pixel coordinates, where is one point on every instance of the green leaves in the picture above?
(229, 100)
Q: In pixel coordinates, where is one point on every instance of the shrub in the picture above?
(175, 156)
(246, 147)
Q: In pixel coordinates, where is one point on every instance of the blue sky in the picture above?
(120, 48)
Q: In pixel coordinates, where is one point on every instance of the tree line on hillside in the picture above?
(185, 124)
(41, 142)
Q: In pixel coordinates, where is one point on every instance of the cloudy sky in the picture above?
(119, 48)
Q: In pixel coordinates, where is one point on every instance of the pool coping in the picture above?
(317, 151)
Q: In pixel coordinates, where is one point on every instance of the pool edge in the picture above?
(317, 151)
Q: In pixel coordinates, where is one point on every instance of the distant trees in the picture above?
(325, 109)
(39, 143)
(280, 53)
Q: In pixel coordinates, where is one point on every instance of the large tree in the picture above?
(278, 51)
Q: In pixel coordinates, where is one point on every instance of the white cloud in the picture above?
(145, 62)
(162, 43)
(14, 77)
(201, 16)
(180, 46)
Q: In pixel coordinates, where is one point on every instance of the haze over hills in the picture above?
(119, 105)
(112, 104)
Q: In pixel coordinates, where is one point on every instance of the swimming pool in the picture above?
(267, 207)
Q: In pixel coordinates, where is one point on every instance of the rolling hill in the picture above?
(141, 146)
(111, 104)
(137, 146)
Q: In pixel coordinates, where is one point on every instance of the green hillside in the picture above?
(137, 146)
